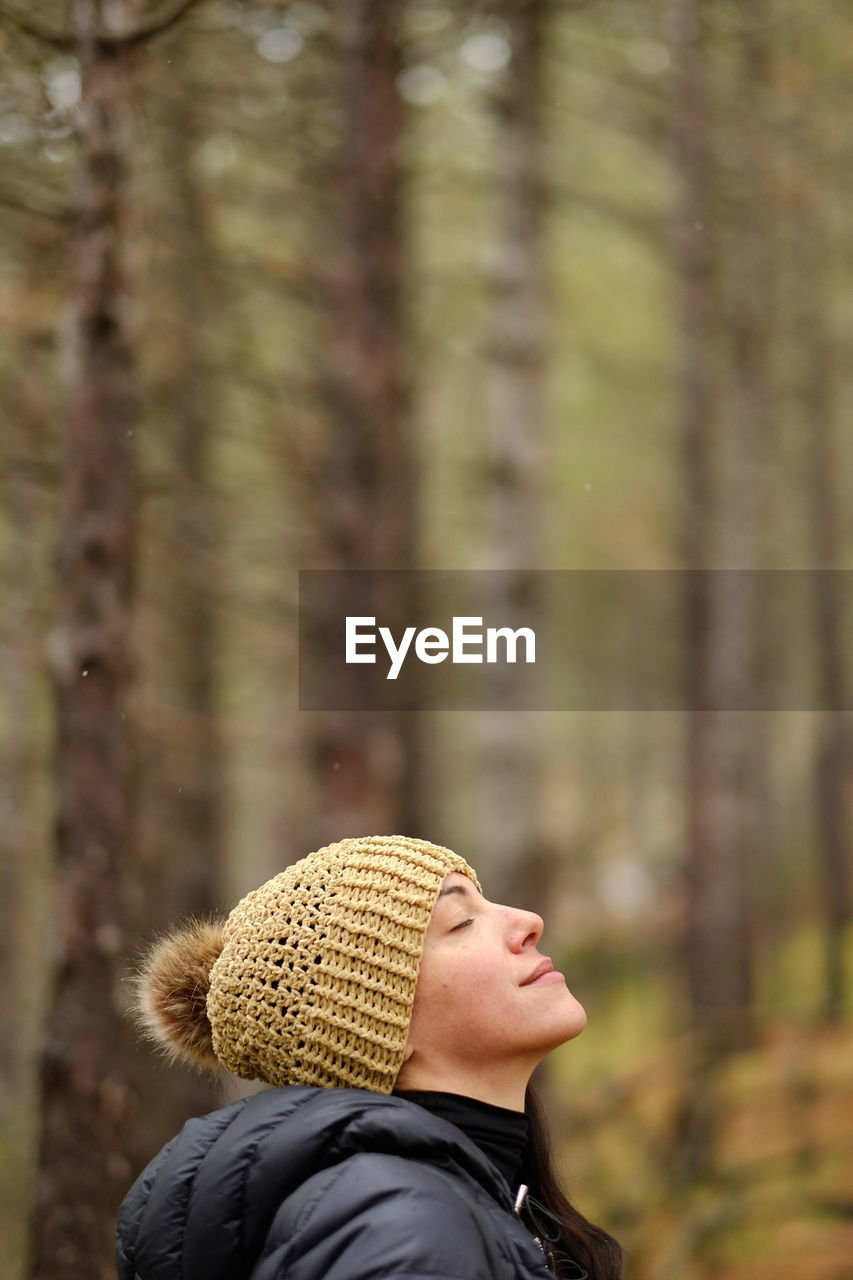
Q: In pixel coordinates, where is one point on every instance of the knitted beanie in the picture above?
(311, 979)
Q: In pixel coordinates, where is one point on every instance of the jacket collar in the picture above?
(326, 1126)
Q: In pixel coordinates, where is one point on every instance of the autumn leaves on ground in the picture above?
(780, 1198)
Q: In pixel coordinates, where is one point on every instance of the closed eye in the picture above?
(461, 925)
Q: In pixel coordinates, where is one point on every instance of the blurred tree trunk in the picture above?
(726, 272)
(752, 523)
(181, 810)
(20, 630)
(510, 752)
(26, 530)
(744, 534)
(708, 881)
(833, 786)
(83, 1169)
(365, 762)
(817, 394)
(695, 261)
(184, 757)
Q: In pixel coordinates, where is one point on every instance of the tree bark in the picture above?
(22, 625)
(83, 1169)
(24, 833)
(697, 409)
(715, 923)
(817, 396)
(184, 757)
(720, 525)
(510, 752)
(365, 496)
(736, 859)
(180, 812)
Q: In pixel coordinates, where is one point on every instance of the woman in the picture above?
(398, 1016)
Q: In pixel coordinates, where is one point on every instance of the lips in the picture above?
(544, 967)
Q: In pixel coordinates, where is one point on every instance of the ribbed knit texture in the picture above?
(316, 980)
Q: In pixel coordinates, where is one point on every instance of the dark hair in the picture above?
(566, 1234)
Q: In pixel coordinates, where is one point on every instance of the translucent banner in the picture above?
(571, 640)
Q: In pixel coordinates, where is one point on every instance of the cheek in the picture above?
(453, 1000)
(474, 996)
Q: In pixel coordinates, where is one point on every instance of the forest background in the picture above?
(425, 285)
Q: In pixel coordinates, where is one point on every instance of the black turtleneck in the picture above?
(500, 1134)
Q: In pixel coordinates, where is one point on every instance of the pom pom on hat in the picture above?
(171, 992)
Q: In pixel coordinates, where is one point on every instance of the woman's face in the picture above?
(475, 1008)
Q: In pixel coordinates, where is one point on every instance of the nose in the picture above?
(526, 928)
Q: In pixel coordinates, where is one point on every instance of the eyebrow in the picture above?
(455, 888)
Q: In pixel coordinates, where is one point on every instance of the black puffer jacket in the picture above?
(321, 1184)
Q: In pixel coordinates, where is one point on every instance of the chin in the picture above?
(576, 1019)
